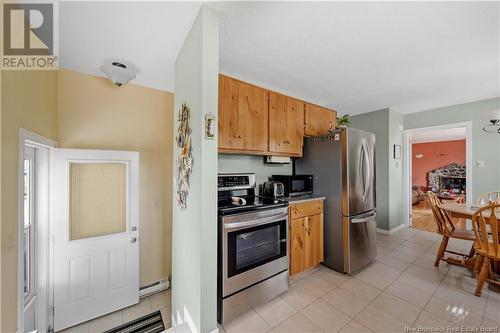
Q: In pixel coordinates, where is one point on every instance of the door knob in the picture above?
(133, 240)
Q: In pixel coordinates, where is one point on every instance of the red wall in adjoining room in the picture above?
(454, 152)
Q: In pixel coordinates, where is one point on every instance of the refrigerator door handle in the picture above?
(366, 171)
(361, 169)
(364, 219)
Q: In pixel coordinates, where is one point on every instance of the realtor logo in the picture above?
(28, 29)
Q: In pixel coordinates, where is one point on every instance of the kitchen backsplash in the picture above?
(252, 164)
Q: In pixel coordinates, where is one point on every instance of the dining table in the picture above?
(465, 211)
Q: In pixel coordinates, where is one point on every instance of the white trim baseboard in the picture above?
(154, 287)
(393, 230)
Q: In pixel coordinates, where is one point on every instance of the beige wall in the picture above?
(82, 111)
(95, 114)
(28, 101)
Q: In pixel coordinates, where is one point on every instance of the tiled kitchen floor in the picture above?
(401, 288)
(159, 301)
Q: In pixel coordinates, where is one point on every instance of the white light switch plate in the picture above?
(479, 164)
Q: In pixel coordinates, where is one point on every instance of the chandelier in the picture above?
(493, 127)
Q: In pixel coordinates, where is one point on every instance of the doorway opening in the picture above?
(78, 231)
(438, 159)
(33, 212)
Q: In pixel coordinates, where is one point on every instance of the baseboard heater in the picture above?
(154, 287)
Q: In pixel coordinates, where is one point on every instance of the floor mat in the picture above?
(151, 323)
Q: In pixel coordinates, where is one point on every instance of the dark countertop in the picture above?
(303, 198)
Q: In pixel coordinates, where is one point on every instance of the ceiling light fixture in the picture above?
(118, 72)
(493, 127)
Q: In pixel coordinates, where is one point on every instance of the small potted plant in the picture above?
(343, 121)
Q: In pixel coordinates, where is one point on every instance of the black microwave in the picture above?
(295, 185)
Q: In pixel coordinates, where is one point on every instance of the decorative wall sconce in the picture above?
(419, 156)
(493, 127)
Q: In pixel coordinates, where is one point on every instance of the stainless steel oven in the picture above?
(254, 248)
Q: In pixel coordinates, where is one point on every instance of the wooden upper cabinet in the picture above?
(243, 116)
(295, 125)
(228, 113)
(277, 123)
(254, 120)
(318, 120)
(286, 125)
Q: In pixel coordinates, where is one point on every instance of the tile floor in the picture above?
(401, 288)
(159, 301)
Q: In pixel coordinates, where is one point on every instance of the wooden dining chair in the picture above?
(485, 225)
(447, 230)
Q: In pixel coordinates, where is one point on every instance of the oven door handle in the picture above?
(257, 222)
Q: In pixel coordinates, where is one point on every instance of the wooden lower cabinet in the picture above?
(297, 246)
(314, 240)
(306, 239)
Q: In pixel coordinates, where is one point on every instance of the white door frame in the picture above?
(408, 162)
(41, 144)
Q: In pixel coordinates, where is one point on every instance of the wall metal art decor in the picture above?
(209, 126)
(185, 159)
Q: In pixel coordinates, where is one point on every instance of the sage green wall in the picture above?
(485, 146)
(395, 170)
(387, 126)
(255, 164)
(378, 122)
(194, 230)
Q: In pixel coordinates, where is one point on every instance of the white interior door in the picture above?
(95, 228)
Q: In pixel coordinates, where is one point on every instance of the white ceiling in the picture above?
(450, 134)
(353, 56)
(147, 35)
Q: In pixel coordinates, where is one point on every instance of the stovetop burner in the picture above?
(228, 206)
(232, 187)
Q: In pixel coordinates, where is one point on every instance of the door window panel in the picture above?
(97, 199)
(28, 216)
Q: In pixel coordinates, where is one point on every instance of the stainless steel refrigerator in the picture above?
(343, 166)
